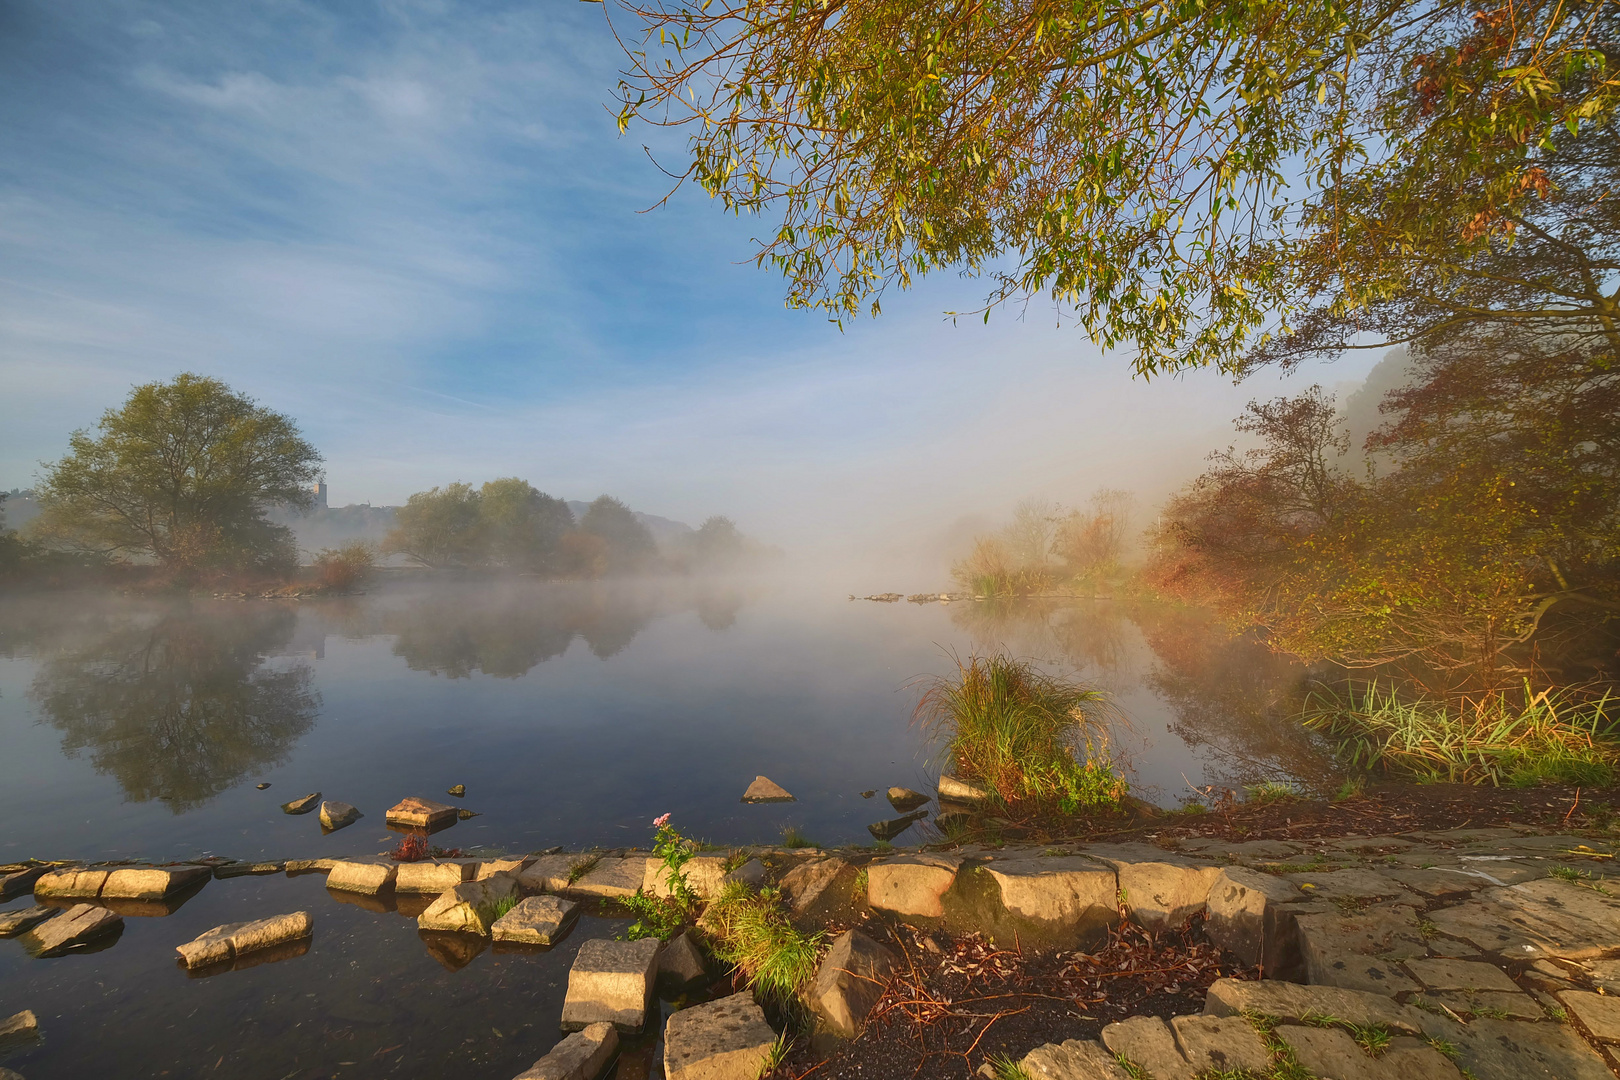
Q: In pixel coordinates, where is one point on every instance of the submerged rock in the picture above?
(904, 800)
(581, 1056)
(261, 787)
(13, 923)
(763, 789)
(462, 813)
(16, 882)
(888, 830)
(301, 806)
(335, 815)
(78, 926)
(18, 1029)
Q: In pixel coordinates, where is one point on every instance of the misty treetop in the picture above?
(1189, 179)
(182, 474)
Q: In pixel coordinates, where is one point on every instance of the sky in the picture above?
(413, 226)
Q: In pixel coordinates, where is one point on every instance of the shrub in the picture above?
(1017, 730)
(340, 569)
(413, 847)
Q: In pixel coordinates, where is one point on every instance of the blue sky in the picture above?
(414, 227)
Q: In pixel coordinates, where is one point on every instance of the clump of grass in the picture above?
(752, 932)
(1016, 730)
(1495, 739)
(793, 838)
(503, 905)
(661, 917)
(1005, 1068)
(583, 867)
(862, 880)
(777, 1054)
(1271, 791)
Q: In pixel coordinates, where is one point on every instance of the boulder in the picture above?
(912, 885)
(431, 876)
(581, 1056)
(764, 789)
(680, 963)
(18, 1029)
(335, 815)
(73, 884)
(611, 982)
(904, 800)
(420, 813)
(368, 878)
(850, 980)
(152, 883)
(13, 923)
(956, 789)
(726, 1039)
(470, 907)
(1160, 890)
(301, 806)
(611, 878)
(1064, 895)
(806, 883)
(226, 943)
(17, 882)
(1076, 1059)
(79, 925)
(751, 873)
(1248, 914)
(537, 920)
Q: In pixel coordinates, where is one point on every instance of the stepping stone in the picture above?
(548, 873)
(246, 869)
(611, 982)
(152, 883)
(1546, 917)
(1461, 975)
(1290, 1001)
(301, 806)
(469, 907)
(1160, 890)
(13, 923)
(911, 885)
(335, 815)
(1599, 1012)
(421, 813)
(612, 878)
(491, 867)
(1075, 1059)
(764, 790)
(956, 789)
(904, 800)
(680, 963)
(1521, 1050)
(849, 982)
(727, 1039)
(71, 884)
(537, 920)
(17, 882)
(226, 943)
(1354, 951)
(1223, 1044)
(806, 883)
(79, 925)
(368, 878)
(1248, 914)
(1332, 1053)
(581, 1056)
(431, 876)
(18, 1029)
(1148, 1043)
(1062, 893)
(305, 866)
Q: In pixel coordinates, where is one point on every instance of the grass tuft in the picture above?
(1005, 1068)
(752, 931)
(793, 838)
(1272, 791)
(1499, 739)
(1017, 731)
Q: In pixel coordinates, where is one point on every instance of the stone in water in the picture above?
(224, 943)
(421, 813)
(537, 920)
(904, 800)
(726, 1039)
(79, 925)
(763, 789)
(335, 815)
(458, 791)
(301, 806)
(611, 982)
(581, 1056)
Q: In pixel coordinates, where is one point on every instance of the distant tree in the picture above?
(438, 527)
(1091, 545)
(521, 527)
(717, 543)
(628, 545)
(183, 473)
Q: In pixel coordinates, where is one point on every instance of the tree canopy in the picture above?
(183, 474)
(1190, 180)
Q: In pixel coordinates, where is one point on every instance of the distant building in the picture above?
(320, 495)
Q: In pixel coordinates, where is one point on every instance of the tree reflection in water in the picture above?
(180, 709)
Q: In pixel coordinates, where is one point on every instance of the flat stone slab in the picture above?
(1161, 890)
(1546, 917)
(431, 876)
(764, 789)
(912, 885)
(78, 925)
(1352, 883)
(549, 873)
(1291, 1001)
(705, 875)
(1060, 893)
(368, 878)
(612, 878)
(336, 815)
(581, 1056)
(471, 907)
(490, 867)
(303, 805)
(73, 883)
(1599, 1012)
(421, 813)
(807, 883)
(1355, 951)
(13, 923)
(849, 982)
(1461, 975)
(611, 982)
(1332, 1054)
(1436, 883)
(1220, 1044)
(1148, 1043)
(17, 882)
(1249, 913)
(225, 943)
(1516, 1005)
(129, 883)
(537, 920)
(1526, 1050)
(18, 1029)
(1075, 1059)
(725, 1039)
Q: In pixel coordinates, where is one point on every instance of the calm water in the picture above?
(572, 713)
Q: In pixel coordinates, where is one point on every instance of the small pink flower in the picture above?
(660, 822)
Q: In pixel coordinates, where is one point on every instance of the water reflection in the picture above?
(181, 708)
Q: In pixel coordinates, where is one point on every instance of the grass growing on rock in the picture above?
(752, 932)
(1018, 730)
(1515, 739)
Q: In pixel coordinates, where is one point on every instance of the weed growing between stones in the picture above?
(663, 917)
(752, 932)
(504, 905)
(583, 867)
(793, 838)
(1018, 730)
(1005, 1068)
(412, 847)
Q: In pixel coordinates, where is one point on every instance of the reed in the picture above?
(1498, 739)
(1018, 730)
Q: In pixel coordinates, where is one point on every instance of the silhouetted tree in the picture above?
(628, 544)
